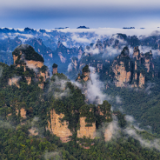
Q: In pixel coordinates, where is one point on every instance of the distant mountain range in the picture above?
(60, 46)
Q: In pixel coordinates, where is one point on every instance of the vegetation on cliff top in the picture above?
(29, 53)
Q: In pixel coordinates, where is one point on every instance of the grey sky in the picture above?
(72, 13)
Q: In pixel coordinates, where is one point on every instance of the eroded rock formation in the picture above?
(22, 113)
(14, 81)
(25, 55)
(132, 70)
(59, 128)
(87, 131)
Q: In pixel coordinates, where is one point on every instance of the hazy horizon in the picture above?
(69, 13)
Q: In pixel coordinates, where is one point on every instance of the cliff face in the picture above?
(22, 112)
(28, 79)
(14, 81)
(90, 119)
(121, 68)
(24, 55)
(15, 58)
(121, 75)
(85, 74)
(34, 64)
(59, 128)
(87, 131)
(33, 131)
(141, 80)
(132, 70)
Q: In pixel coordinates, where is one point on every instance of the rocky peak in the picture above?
(26, 57)
(136, 53)
(60, 45)
(85, 73)
(125, 52)
(132, 70)
(55, 66)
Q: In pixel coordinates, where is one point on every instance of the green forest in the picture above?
(16, 142)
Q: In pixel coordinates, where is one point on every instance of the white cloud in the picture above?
(46, 35)
(77, 38)
(24, 35)
(14, 80)
(132, 129)
(92, 51)
(118, 100)
(53, 155)
(95, 87)
(58, 88)
(129, 118)
(110, 31)
(110, 51)
(70, 66)
(65, 44)
(7, 125)
(145, 49)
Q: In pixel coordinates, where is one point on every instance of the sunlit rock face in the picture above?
(22, 113)
(34, 64)
(14, 81)
(121, 75)
(122, 67)
(26, 57)
(136, 53)
(86, 131)
(59, 128)
(85, 74)
(132, 70)
(141, 80)
(33, 131)
(28, 79)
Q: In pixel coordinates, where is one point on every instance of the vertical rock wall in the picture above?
(87, 131)
(59, 128)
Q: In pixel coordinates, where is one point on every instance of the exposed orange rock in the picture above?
(86, 76)
(141, 80)
(99, 111)
(135, 76)
(13, 81)
(22, 112)
(147, 64)
(135, 67)
(15, 58)
(41, 85)
(136, 53)
(121, 75)
(28, 79)
(60, 129)
(8, 115)
(33, 131)
(88, 132)
(108, 132)
(43, 75)
(36, 64)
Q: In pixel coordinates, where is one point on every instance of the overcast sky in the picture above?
(73, 13)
